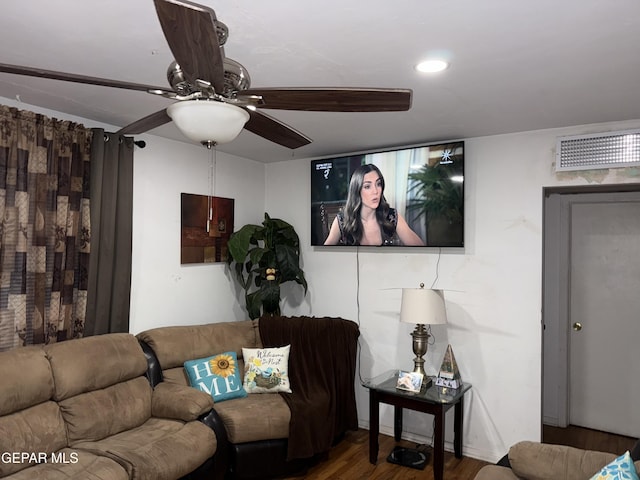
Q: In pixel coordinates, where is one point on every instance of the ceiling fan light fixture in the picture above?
(208, 121)
(432, 66)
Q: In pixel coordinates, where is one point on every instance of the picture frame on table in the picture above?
(409, 381)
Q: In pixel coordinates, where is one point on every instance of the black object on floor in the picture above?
(409, 457)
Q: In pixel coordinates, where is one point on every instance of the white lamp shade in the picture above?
(423, 306)
(208, 120)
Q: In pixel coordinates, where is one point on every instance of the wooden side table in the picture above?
(433, 400)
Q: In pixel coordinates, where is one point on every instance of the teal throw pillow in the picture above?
(622, 468)
(217, 375)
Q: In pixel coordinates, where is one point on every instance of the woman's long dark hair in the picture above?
(352, 222)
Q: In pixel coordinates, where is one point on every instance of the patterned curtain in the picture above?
(44, 228)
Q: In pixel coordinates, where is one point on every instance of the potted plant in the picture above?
(263, 257)
(439, 199)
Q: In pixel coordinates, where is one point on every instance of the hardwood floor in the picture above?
(349, 460)
(587, 439)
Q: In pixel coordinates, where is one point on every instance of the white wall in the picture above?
(492, 286)
(164, 292)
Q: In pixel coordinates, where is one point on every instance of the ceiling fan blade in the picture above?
(333, 99)
(72, 77)
(190, 31)
(274, 130)
(145, 124)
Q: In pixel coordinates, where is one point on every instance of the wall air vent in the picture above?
(600, 150)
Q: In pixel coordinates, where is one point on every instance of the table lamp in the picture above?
(422, 306)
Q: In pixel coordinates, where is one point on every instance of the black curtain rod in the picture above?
(138, 143)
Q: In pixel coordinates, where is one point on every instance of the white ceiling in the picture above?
(516, 65)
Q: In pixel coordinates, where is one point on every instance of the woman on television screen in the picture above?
(367, 218)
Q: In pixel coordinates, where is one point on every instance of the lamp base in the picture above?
(420, 342)
(409, 457)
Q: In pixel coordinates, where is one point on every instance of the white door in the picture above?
(604, 314)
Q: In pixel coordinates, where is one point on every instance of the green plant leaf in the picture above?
(288, 262)
(271, 297)
(249, 280)
(240, 276)
(289, 235)
(269, 259)
(239, 241)
(254, 304)
(302, 281)
(256, 255)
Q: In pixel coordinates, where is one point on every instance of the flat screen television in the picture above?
(416, 194)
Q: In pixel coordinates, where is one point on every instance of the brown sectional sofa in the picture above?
(539, 461)
(84, 409)
(270, 435)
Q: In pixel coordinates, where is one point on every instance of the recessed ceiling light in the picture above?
(432, 66)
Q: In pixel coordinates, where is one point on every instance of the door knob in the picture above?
(577, 326)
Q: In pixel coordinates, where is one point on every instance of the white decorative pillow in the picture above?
(266, 370)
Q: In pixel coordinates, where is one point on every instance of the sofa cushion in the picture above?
(541, 461)
(38, 429)
(266, 369)
(160, 449)
(217, 375)
(621, 468)
(70, 464)
(25, 379)
(76, 370)
(175, 345)
(255, 417)
(95, 415)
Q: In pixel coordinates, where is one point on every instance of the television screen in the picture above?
(403, 197)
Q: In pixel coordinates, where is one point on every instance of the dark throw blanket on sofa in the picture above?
(322, 366)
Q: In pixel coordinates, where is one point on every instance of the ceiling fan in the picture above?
(203, 78)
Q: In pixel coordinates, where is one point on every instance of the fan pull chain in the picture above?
(212, 186)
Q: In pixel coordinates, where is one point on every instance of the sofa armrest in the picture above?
(180, 402)
(540, 461)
